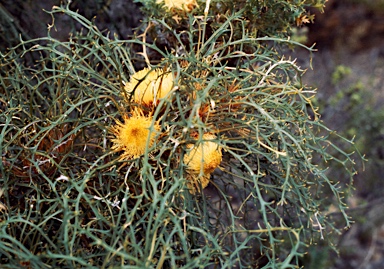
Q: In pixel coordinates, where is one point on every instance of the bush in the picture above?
(211, 157)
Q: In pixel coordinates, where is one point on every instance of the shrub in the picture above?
(221, 168)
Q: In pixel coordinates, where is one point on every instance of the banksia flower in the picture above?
(185, 5)
(148, 86)
(132, 135)
(201, 161)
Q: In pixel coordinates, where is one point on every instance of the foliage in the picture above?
(373, 5)
(363, 121)
(258, 17)
(70, 201)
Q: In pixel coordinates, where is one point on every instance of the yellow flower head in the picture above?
(131, 136)
(149, 86)
(185, 5)
(202, 160)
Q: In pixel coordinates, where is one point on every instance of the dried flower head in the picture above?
(132, 135)
(185, 5)
(50, 146)
(201, 161)
(148, 86)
